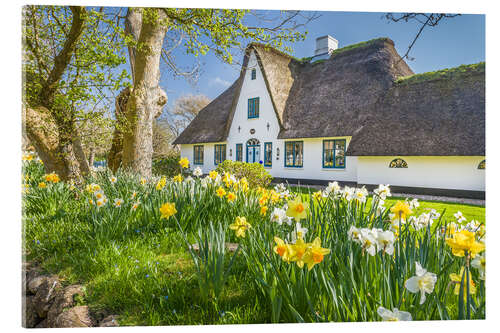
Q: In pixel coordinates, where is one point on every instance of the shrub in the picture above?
(253, 172)
(166, 165)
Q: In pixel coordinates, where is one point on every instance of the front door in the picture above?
(253, 153)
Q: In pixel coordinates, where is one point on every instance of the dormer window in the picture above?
(254, 73)
(253, 107)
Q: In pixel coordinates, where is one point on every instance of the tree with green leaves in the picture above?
(70, 56)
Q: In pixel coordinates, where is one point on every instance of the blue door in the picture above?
(253, 154)
(253, 151)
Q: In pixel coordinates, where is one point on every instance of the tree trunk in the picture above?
(146, 98)
(55, 150)
(91, 157)
(116, 151)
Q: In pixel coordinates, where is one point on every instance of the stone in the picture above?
(77, 316)
(109, 321)
(35, 282)
(45, 294)
(30, 317)
(63, 299)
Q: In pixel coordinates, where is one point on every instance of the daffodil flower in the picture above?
(423, 282)
(315, 253)
(479, 262)
(457, 280)
(394, 315)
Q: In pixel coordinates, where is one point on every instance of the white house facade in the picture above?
(261, 120)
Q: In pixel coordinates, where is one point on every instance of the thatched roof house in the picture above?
(365, 93)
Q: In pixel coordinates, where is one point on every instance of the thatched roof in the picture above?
(433, 114)
(354, 93)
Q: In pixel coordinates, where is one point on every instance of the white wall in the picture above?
(446, 172)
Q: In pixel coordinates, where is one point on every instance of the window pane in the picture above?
(298, 154)
(340, 153)
(328, 154)
(289, 153)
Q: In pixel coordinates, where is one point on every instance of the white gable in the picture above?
(241, 125)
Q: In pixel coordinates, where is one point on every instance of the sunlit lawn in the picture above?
(471, 212)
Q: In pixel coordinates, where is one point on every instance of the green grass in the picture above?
(471, 212)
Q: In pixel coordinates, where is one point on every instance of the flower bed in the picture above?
(329, 256)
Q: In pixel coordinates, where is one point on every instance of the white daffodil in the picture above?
(394, 315)
(383, 191)
(348, 193)
(354, 234)
(422, 221)
(197, 172)
(298, 233)
(479, 262)
(460, 217)
(278, 215)
(118, 202)
(472, 226)
(423, 282)
(113, 179)
(385, 240)
(413, 203)
(369, 241)
(205, 181)
(434, 214)
(189, 179)
(333, 187)
(380, 208)
(360, 194)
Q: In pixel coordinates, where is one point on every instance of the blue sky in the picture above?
(455, 41)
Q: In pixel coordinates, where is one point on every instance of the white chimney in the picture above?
(325, 45)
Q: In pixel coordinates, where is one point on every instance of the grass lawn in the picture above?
(471, 212)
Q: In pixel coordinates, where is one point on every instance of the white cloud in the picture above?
(219, 81)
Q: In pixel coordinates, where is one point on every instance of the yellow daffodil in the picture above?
(456, 279)
(184, 163)
(297, 209)
(317, 195)
(231, 197)
(283, 249)
(161, 183)
(240, 225)
(315, 253)
(143, 181)
(220, 192)
(42, 185)
(178, 178)
(263, 199)
(263, 210)
(462, 241)
(27, 157)
(52, 177)
(298, 251)
(213, 175)
(243, 184)
(401, 210)
(167, 210)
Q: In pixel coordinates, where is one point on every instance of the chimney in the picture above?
(325, 45)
